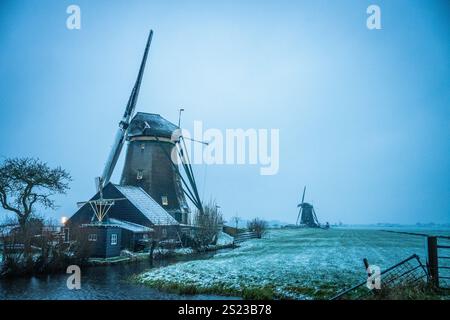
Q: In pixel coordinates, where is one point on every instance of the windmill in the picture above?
(149, 157)
(306, 214)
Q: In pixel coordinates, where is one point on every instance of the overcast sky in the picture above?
(363, 114)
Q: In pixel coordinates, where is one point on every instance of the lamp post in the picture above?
(179, 116)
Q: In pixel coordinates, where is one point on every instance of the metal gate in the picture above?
(410, 271)
(439, 260)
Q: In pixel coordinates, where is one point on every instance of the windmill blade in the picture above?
(131, 105)
(304, 191)
(112, 158)
(123, 125)
(299, 215)
(315, 216)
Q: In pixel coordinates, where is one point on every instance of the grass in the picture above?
(250, 293)
(288, 264)
(421, 291)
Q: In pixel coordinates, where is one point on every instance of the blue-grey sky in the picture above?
(363, 114)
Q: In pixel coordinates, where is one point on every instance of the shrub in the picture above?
(257, 226)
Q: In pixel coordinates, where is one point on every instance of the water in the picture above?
(103, 282)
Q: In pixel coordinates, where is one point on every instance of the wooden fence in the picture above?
(243, 236)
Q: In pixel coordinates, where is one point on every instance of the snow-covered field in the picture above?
(294, 263)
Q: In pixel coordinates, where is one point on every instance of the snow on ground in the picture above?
(224, 239)
(183, 251)
(294, 263)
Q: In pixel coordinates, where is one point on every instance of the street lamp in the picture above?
(179, 116)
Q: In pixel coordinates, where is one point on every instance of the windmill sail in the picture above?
(124, 123)
(304, 191)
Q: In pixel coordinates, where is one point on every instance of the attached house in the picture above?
(131, 218)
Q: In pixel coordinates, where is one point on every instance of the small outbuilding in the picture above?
(131, 218)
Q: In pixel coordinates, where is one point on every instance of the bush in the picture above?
(208, 225)
(257, 226)
(45, 254)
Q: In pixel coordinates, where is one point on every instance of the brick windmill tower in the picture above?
(148, 164)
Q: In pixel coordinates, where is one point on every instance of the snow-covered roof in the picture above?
(147, 205)
(134, 227)
(150, 124)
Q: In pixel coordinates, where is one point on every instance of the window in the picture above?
(66, 235)
(92, 237)
(140, 174)
(114, 239)
(142, 146)
(145, 236)
(164, 232)
(164, 201)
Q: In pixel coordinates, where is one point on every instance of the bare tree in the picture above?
(208, 224)
(236, 221)
(155, 242)
(258, 226)
(25, 182)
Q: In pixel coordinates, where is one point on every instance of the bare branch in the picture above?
(26, 182)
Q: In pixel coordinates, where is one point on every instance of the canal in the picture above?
(97, 283)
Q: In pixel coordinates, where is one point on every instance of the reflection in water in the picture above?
(106, 282)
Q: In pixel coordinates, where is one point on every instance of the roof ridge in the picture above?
(129, 222)
(129, 225)
(150, 113)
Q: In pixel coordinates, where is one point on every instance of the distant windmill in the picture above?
(306, 214)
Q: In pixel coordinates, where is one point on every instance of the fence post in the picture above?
(432, 260)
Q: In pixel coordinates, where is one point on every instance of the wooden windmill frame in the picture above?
(100, 206)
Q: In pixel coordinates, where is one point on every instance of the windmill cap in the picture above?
(150, 124)
(304, 204)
